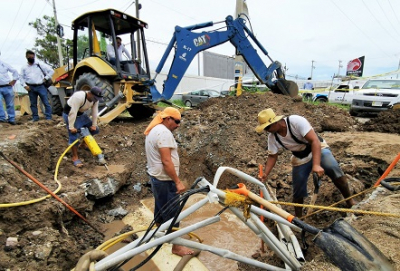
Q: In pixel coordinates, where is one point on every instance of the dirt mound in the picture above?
(219, 133)
(386, 122)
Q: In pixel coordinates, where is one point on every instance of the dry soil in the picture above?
(218, 133)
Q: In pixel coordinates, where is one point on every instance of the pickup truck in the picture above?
(377, 95)
(338, 93)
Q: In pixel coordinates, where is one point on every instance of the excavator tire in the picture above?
(140, 111)
(88, 80)
(55, 104)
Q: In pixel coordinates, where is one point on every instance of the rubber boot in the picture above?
(343, 186)
(298, 211)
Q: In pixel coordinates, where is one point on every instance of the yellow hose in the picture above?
(7, 205)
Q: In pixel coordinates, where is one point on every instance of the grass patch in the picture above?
(341, 106)
(176, 102)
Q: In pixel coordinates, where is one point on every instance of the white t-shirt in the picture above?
(160, 137)
(300, 127)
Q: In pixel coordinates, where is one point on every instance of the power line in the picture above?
(387, 18)
(15, 50)
(9, 30)
(378, 21)
(360, 29)
(395, 15)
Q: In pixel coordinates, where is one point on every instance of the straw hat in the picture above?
(265, 118)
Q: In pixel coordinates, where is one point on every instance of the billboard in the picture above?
(355, 67)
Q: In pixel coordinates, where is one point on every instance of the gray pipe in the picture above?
(104, 264)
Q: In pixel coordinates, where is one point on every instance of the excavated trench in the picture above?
(219, 133)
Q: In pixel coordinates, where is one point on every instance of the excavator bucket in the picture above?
(287, 87)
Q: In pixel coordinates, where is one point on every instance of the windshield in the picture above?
(388, 84)
(214, 93)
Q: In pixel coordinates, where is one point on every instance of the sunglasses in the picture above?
(267, 128)
(176, 121)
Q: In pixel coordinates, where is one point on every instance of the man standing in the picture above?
(7, 93)
(75, 118)
(32, 79)
(308, 85)
(120, 49)
(310, 152)
(163, 166)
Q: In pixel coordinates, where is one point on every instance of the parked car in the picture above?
(195, 97)
(250, 85)
(377, 95)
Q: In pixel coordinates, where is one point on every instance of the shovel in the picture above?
(317, 185)
(344, 246)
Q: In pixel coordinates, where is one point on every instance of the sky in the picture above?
(309, 37)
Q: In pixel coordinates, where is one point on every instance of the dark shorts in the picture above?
(164, 194)
(301, 173)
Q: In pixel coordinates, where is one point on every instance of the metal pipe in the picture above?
(104, 264)
(224, 253)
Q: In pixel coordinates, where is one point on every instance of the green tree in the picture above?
(46, 47)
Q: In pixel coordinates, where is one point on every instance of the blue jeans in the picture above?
(300, 173)
(40, 91)
(7, 94)
(164, 193)
(80, 121)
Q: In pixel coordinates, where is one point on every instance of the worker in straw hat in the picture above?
(163, 166)
(310, 152)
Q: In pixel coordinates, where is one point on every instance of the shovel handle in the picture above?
(271, 207)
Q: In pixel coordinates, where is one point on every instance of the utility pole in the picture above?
(312, 67)
(138, 6)
(60, 56)
(340, 66)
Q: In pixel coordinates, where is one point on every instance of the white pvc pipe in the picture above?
(224, 253)
(281, 250)
(103, 265)
(163, 227)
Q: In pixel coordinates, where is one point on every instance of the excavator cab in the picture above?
(107, 54)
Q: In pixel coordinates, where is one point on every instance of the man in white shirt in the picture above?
(308, 85)
(163, 167)
(32, 79)
(120, 49)
(75, 118)
(7, 93)
(310, 154)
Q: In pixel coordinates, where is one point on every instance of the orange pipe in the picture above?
(387, 171)
(49, 191)
(243, 191)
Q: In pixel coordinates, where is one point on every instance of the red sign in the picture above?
(355, 66)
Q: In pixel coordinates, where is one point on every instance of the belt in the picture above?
(3, 86)
(34, 85)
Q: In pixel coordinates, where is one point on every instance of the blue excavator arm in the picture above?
(188, 44)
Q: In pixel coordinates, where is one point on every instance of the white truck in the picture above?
(377, 95)
(337, 93)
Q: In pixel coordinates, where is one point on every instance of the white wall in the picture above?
(194, 82)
